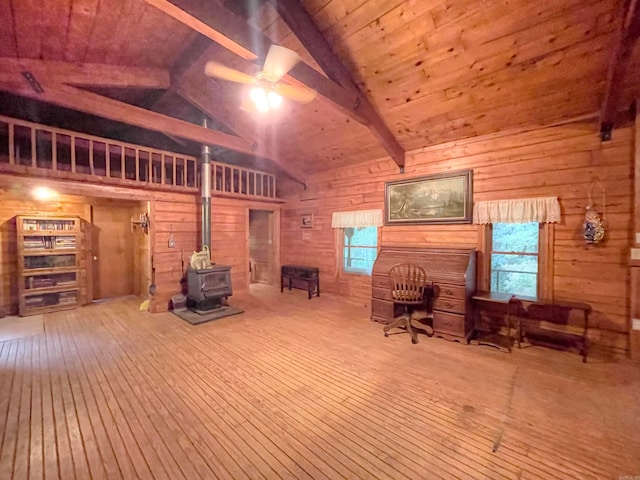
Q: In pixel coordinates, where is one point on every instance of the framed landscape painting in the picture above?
(443, 198)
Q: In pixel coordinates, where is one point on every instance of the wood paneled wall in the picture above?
(178, 216)
(13, 203)
(229, 240)
(175, 211)
(560, 161)
(230, 234)
(170, 214)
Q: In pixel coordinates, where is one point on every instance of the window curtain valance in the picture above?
(540, 209)
(358, 218)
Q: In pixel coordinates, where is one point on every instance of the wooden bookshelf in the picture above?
(50, 264)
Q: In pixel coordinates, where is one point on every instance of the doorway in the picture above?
(113, 245)
(263, 246)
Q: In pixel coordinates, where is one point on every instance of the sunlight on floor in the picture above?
(18, 327)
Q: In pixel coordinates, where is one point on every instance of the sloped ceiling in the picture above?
(433, 71)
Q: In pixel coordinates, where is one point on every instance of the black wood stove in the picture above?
(208, 287)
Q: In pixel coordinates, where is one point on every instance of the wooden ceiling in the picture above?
(419, 72)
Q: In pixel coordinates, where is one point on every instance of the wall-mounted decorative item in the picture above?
(593, 227)
(306, 220)
(143, 222)
(593, 224)
(443, 198)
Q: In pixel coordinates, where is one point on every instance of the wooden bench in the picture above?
(302, 277)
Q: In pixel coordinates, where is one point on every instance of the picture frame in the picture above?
(444, 198)
(306, 220)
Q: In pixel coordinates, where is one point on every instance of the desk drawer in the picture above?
(382, 309)
(451, 291)
(450, 304)
(450, 323)
(381, 293)
(381, 281)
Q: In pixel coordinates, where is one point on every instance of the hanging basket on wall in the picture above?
(593, 226)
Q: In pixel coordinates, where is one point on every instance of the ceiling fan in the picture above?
(267, 90)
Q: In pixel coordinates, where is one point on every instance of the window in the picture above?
(514, 258)
(360, 249)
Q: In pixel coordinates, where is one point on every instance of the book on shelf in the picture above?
(49, 242)
(42, 282)
(49, 224)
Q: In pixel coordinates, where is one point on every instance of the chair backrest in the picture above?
(408, 282)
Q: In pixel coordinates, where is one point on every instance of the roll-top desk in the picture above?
(453, 273)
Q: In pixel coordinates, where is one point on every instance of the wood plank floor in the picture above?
(301, 389)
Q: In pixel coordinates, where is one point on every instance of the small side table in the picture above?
(534, 318)
(512, 305)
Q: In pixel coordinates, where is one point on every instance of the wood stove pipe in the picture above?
(206, 192)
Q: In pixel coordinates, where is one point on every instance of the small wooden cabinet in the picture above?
(51, 265)
(453, 273)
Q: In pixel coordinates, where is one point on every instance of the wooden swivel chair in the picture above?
(408, 282)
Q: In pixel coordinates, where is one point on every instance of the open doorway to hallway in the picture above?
(263, 246)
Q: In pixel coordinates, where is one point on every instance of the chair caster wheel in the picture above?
(414, 341)
(386, 334)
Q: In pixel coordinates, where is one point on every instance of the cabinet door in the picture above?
(48, 262)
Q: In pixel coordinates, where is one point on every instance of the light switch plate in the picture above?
(637, 238)
(635, 324)
(635, 254)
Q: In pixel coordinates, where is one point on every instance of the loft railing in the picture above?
(40, 150)
(227, 179)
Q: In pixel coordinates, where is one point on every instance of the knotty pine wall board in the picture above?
(443, 56)
(178, 216)
(557, 161)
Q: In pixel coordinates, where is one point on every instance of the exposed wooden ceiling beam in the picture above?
(233, 33)
(203, 101)
(203, 28)
(86, 74)
(629, 33)
(303, 27)
(77, 99)
(191, 55)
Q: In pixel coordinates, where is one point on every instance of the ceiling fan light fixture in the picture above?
(258, 95)
(259, 98)
(266, 90)
(275, 100)
(265, 99)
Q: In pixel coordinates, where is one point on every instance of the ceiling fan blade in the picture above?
(279, 61)
(217, 70)
(299, 94)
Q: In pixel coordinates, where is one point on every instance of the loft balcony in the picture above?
(37, 150)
